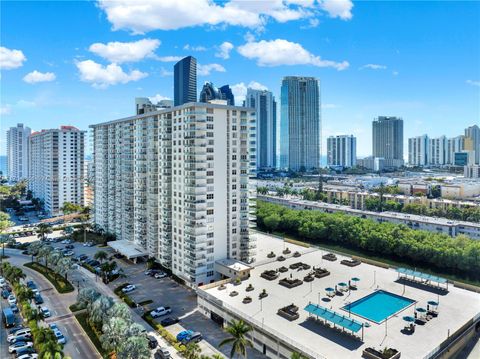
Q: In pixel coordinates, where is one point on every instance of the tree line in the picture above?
(459, 255)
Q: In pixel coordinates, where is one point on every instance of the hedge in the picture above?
(61, 284)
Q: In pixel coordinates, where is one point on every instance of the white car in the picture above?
(53, 326)
(28, 356)
(60, 338)
(20, 345)
(160, 275)
(45, 312)
(2, 282)
(66, 241)
(160, 311)
(129, 288)
(12, 299)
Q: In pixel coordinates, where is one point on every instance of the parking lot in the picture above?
(183, 301)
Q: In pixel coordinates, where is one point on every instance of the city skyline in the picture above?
(52, 84)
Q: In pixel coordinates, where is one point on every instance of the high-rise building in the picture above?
(437, 151)
(300, 145)
(387, 135)
(17, 152)
(175, 183)
(185, 81)
(342, 151)
(266, 108)
(144, 105)
(209, 93)
(418, 149)
(56, 167)
(473, 135)
(454, 144)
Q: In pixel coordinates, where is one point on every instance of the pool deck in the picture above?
(455, 309)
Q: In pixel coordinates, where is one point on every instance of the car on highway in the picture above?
(129, 288)
(38, 299)
(152, 342)
(160, 275)
(169, 321)
(184, 334)
(60, 337)
(45, 312)
(162, 353)
(160, 311)
(20, 345)
(12, 299)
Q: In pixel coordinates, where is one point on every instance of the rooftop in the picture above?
(456, 306)
(128, 248)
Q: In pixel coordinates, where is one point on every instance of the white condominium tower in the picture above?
(342, 151)
(17, 152)
(418, 150)
(175, 182)
(56, 168)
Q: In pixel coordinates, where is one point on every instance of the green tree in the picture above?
(296, 355)
(134, 347)
(238, 331)
(101, 256)
(86, 296)
(114, 333)
(272, 222)
(192, 351)
(5, 221)
(98, 310)
(43, 229)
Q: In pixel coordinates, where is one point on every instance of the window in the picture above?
(209, 212)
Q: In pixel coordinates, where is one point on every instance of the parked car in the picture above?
(28, 356)
(68, 253)
(160, 275)
(66, 241)
(14, 308)
(20, 338)
(162, 353)
(93, 262)
(88, 244)
(60, 337)
(12, 299)
(19, 332)
(45, 312)
(69, 246)
(20, 345)
(152, 342)
(160, 311)
(183, 334)
(25, 351)
(194, 338)
(82, 257)
(16, 329)
(129, 288)
(53, 326)
(3, 282)
(5, 294)
(38, 299)
(31, 284)
(169, 321)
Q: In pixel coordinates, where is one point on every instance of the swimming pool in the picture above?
(378, 306)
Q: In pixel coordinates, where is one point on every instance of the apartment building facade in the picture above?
(175, 182)
(17, 152)
(342, 151)
(56, 167)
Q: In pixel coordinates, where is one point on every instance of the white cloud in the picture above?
(312, 23)
(338, 8)
(157, 98)
(5, 110)
(141, 16)
(103, 76)
(119, 52)
(205, 70)
(282, 52)
(373, 67)
(473, 83)
(194, 48)
(224, 50)
(240, 90)
(164, 72)
(36, 76)
(169, 58)
(395, 73)
(11, 59)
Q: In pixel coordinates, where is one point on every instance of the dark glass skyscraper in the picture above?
(210, 92)
(227, 94)
(185, 81)
(300, 123)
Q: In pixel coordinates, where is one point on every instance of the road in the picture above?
(78, 344)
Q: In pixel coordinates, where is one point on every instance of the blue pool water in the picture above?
(378, 306)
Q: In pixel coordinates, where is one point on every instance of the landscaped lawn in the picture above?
(62, 285)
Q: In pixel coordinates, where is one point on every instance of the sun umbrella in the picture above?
(342, 284)
(421, 310)
(409, 319)
(355, 279)
(432, 302)
(329, 289)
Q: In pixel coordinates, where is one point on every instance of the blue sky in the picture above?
(81, 63)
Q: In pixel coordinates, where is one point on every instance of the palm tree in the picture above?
(23, 293)
(134, 347)
(35, 315)
(15, 274)
(44, 252)
(101, 256)
(192, 351)
(97, 311)
(64, 265)
(4, 239)
(86, 296)
(114, 333)
(238, 329)
(43, 229)
(85, 225)
(34, 248)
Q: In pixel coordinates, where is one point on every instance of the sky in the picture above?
(84, 62)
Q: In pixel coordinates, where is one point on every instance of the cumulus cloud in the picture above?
(120, 52)
(169, 58)
(103, 76)
(240, 90)
(338, 8)
(224, 50)
(11, 59)
(205, 70)
(282, 52)
(373, 67)
(141, 16)
(165, 73)
(157, 98)
(473, 83)
(36, 76)
(194, 48)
